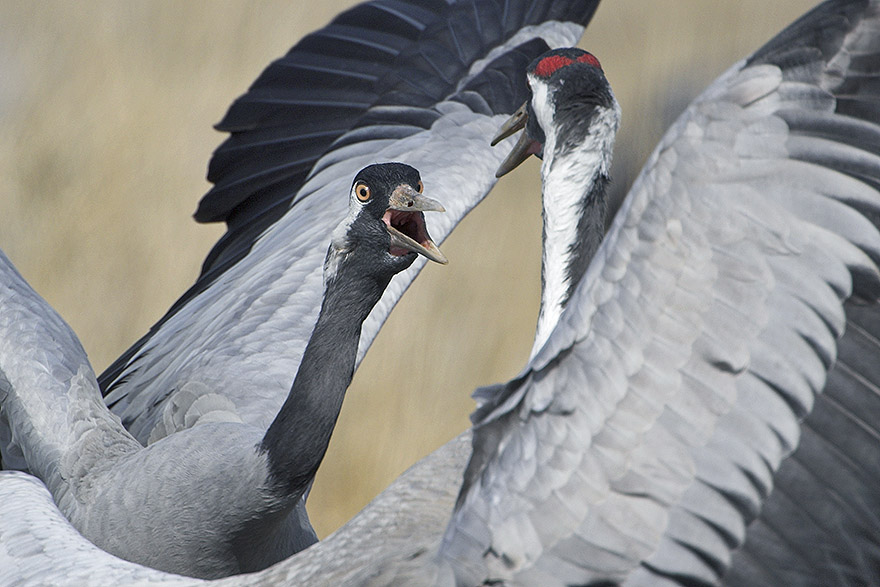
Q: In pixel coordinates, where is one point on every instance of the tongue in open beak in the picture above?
(406, 223)
(524, 147)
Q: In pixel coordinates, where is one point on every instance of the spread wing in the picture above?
(422, 83)
(43, 366)
(708, 404)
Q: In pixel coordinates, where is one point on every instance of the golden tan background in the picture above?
(106, 114)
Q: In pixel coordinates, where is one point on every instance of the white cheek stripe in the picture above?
(339, 237)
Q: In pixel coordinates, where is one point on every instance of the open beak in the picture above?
(524, 147)
(405, 222)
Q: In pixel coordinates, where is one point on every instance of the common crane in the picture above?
(222, 497)
(695, 503)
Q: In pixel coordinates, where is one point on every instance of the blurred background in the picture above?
(106, 114)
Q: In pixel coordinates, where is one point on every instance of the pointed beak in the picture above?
(405, 222)
(524, 147)
(516, 122)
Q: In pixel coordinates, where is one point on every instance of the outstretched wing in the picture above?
(419, 82)
(52, 419)
(708, 404)
(51, 414)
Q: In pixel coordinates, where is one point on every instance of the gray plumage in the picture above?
(704, 408)
(642, 443)
(221, 497)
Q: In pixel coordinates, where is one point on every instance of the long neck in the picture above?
(298, 437)
(574, 183)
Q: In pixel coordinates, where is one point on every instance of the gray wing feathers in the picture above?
(38, 546)
(50, 399)
(672, 389)
(827, 488)
(274, 292)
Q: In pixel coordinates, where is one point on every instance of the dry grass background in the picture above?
(106, 113)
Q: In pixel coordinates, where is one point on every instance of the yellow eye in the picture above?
(362, 191)
(420, 187)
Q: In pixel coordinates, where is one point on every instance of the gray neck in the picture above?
(297, 439)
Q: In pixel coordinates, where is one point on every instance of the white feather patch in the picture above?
(568, 178)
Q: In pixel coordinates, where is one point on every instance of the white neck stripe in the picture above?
(567, 179)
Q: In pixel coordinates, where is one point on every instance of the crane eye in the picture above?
(362, 191)
(420, 187)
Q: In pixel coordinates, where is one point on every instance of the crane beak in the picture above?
(516, 122)
(524, 147)
(405, 222)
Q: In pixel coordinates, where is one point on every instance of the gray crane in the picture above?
(719, 356)
(702, 407)
(222, 497)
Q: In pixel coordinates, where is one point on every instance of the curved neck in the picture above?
(574, 176)
(297, 439)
